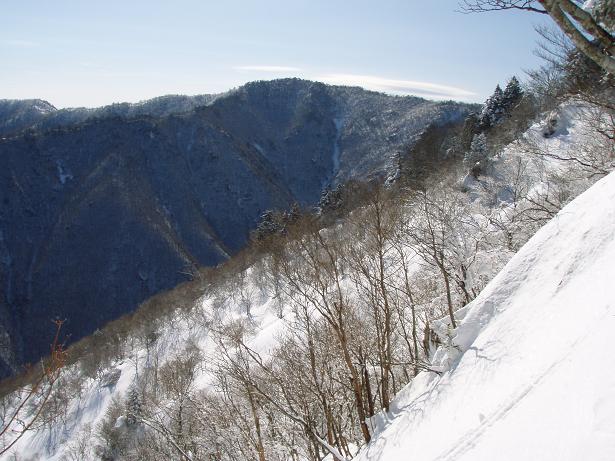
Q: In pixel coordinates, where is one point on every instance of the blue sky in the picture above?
(87, 53)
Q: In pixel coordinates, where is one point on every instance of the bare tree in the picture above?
(262, 383)
(235, 381)
(33, 399)
(313, 272)
(408, 291)
(579, 24)
(445, 237)
(372, 265)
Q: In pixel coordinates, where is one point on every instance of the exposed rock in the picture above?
(110, 378)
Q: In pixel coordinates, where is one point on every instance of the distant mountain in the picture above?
(15, 115)
(19, 115)
(102, 208)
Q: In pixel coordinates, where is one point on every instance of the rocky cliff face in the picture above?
(101, 209)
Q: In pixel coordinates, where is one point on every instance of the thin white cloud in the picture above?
(20, 43)
(273, 69)
(402, 87)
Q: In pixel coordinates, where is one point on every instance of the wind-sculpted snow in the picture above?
(527, 375)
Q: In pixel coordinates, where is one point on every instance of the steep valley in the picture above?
(101, 209)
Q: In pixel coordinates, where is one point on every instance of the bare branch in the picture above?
(50, 373)
(483, 6)
(573, 20)
(599, 54)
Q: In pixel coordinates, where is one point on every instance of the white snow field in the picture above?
(531, 375)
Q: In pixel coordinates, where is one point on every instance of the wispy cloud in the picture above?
(273, 69)
(20, 43)
(371, 82)
(405, 87)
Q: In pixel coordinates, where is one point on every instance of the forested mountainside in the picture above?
(340, 340)
(101, 209)
(297, 271)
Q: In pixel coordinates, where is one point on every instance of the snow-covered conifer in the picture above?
(330, 199)
(512, 93)
(134, 409)
(492, 109)
(477, 157)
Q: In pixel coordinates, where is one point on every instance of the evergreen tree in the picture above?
(477, 158)
(492, 109)
(267, 225)
(496, 98)
(330, 199)
(512, 93)
(134, 410)
(274, 222)
(291, 216)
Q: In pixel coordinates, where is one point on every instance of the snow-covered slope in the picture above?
(530, 373)
(526, 376)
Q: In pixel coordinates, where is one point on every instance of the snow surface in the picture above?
(535, 380)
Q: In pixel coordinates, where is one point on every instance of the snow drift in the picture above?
(529, 374)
